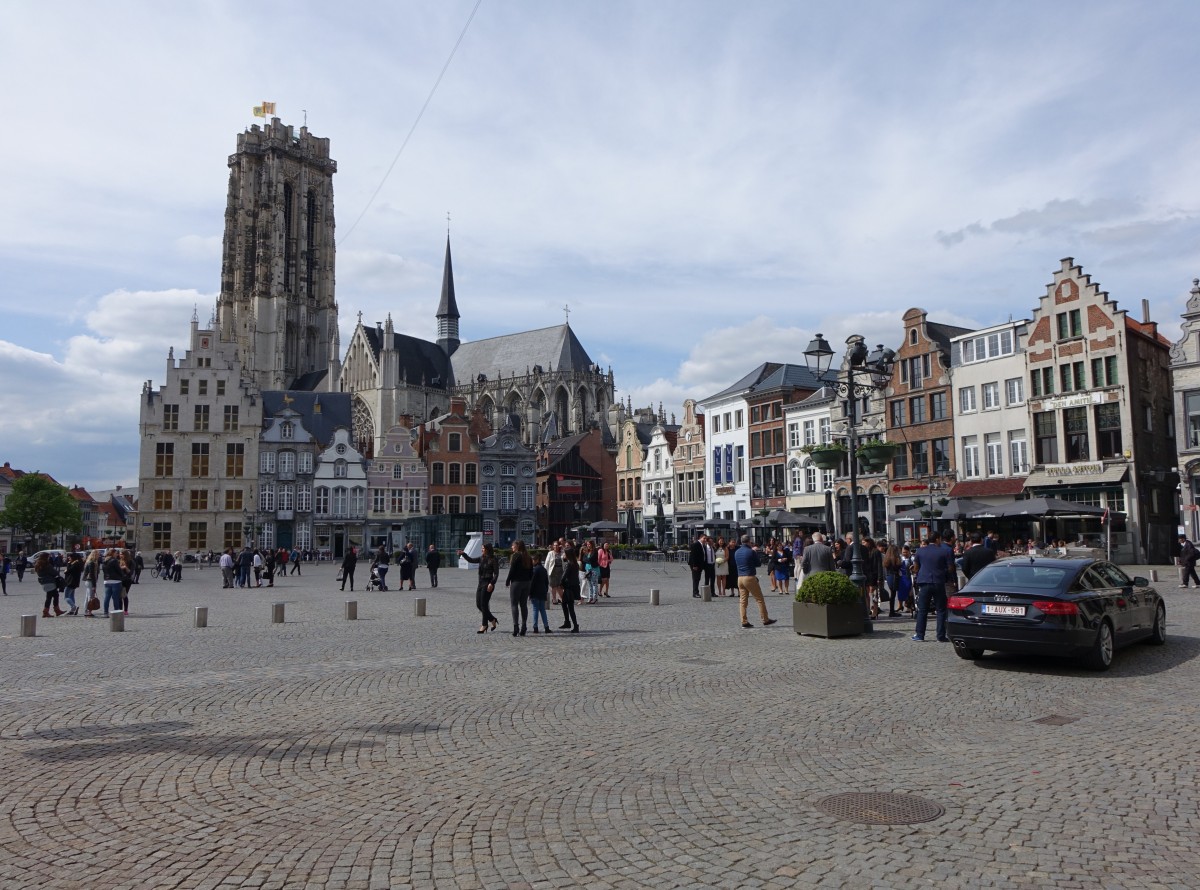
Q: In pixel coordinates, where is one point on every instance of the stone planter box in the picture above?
(828, 621)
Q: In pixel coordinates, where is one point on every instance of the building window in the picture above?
(728, 425)
(1070, 324)
(455, 476)
(941, 455)
(200, 418)
(437, 504)
(899, 464)
(163, 498)
(1072, 377)
(508, 498)
(470, 504)
(1045, 431)
(454, 443)
(795, 478)
(508, 469)
(970, 453)
(810, 432)
(378, 500)
(920, 458)
(266, 461)
(340, 502)
(220, 383)
(995, 454)
(1014, 390)
(266, 535)
(170, 418)
(823, 430)
(397, 471)
(1018, 451)
(937, 406)
(793, 431)
(201, 387)
(287, 430)
(198, 498)
(620, 490)
(737, 419)
(1108, 428)
(716, 429)
(1042, 382)
(439, 474)
(395, 502)
(754, 415)
(160, 536)
(917, 409)
(991, 396)
(470, 474)
(897, 411)
(455, 504)
(340, 469)
(304, 497)
(199, 458)
(414, 500)
(233, 539)
(287, 496)
(197, 536)
(306, 462)
(966, 400)
(1075, 425)
(234, 499)
(235, 458)
(527, 497)
(287, 463)
(740, 464)
(322, 501)
(184, 386)
(231, 418)
(266, 497)
(978, 349)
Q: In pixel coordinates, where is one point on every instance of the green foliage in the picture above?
(40, 507)
(829, 589)
(824, 446)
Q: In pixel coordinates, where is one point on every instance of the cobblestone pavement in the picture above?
(661, 747)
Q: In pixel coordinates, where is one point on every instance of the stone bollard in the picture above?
(277, 613)
(29, 625)
(1154, 574)
(419, 607)
(116, 622)
(201, 619)
(706, 594)
(351, 610)
(653, 597)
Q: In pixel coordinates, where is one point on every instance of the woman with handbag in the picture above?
(91, 574)
(47, 576)
(721, 566)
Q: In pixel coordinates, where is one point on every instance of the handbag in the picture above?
(92, 604)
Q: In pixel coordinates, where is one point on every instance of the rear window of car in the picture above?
(1028, 577)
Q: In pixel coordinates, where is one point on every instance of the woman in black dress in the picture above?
(570, 591)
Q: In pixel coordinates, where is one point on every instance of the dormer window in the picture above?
(339, 469)
(287, 430)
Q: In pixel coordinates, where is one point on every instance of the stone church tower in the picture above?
(277, 262)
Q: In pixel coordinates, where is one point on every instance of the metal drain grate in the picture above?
(880, 808)
(1055, 720)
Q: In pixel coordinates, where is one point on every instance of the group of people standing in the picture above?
(250, 567)
(116, 569)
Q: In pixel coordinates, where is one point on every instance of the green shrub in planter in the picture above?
(828, 588)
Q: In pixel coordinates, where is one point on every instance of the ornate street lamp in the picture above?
(865, 372)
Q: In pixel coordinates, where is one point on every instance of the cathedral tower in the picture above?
(447, 314)
(277, 262)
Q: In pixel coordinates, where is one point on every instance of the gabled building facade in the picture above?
(689, 464)
(339, 497)
(658, 483)
(508, 490)
(1185, 378)
(398, 483)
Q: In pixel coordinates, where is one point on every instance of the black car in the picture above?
(1082, 607)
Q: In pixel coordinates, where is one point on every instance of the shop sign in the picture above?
(1078, 400)
(1074, 469)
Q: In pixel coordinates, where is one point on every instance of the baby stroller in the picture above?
(374, 583)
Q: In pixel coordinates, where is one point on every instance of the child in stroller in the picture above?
(375, 583)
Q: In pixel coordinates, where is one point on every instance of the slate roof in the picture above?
(554, 348)
(787, 375)
(309, 381)
(757, 375)
(447, 306)
(419, 362)
(941, 333)
(334, 413)
(559, 449)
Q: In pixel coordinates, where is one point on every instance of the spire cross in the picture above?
(567, 312)
(447, 223)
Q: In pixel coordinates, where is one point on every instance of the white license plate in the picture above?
(1018, 611)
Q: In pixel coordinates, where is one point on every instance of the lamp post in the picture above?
(865, 373)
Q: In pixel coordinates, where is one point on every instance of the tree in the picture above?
(38, 506)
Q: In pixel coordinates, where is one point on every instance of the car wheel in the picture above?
(1158, 635)
(1101, 655)
(968, 653)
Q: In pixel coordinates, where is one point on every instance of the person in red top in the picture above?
(604, 560)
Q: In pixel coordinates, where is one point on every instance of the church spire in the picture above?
(447, 314)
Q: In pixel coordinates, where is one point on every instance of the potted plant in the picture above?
(875, 454)
(828, 604)
(828, 455)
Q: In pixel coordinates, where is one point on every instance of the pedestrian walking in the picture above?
(433, 562)
(20, 565)
(520, 571)
(554, 568)
(295, 560)
(1188, 554)
(539, 591)
(349, 562)
(111, 568)
(408, 567)
(5, 566)
(818, 557)
(226, 564)
(604, 559)
(380, 565)
(934, 564)
(72, 577)
(47, 576)
(697, 562)
(91, 578)
(570, 591)
(748, 561)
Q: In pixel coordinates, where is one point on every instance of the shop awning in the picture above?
(1059, 476)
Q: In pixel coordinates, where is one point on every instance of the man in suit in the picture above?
(696, 562)
(977, 556)
(818, 557)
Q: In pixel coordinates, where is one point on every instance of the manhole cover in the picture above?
(1055, 720)
(880, 808)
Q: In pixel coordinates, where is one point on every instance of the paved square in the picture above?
(662, 747)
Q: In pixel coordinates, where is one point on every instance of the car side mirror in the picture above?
(1139, 581)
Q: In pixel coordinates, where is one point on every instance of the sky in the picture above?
(705, 185)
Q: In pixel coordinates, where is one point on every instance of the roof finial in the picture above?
(447, 223)
(567, 312)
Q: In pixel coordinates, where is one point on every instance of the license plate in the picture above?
(1017, 611)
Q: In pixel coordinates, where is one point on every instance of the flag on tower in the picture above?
(265, 110)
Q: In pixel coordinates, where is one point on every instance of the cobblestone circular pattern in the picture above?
(875, 808)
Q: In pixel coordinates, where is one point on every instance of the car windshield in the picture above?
(1028, 577)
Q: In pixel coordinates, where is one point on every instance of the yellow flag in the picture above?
(268, 108)
(259, 111)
